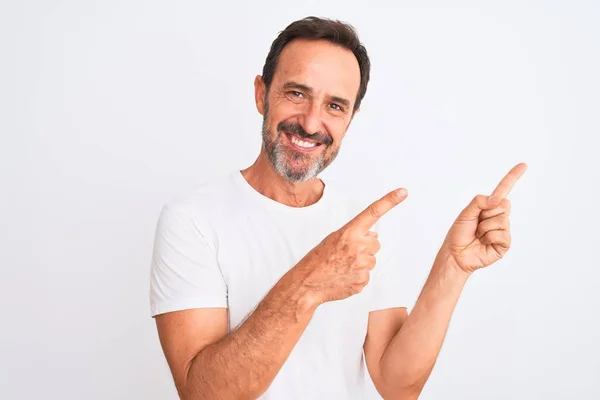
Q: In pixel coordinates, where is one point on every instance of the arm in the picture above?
(208, 364)
(479, 237)
(205, 362)
(401, 360)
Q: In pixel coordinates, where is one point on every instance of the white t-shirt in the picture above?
(226, 245)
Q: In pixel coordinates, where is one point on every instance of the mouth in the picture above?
(302, 145)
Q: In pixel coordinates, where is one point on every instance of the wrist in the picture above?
(308, 302)
(446, 262)
(301, 295)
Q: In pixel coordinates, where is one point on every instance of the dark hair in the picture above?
(315, 28)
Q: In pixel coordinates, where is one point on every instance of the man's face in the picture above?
(308, 107)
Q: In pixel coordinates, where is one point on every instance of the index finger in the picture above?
(367, 218)
(507, 183)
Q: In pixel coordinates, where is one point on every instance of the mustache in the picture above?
(298, 130)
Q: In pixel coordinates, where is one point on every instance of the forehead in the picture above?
(325, 67)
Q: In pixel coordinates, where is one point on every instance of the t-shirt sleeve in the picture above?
(185, 273)
(392, 283)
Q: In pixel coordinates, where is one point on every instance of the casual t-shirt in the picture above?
(226, 245)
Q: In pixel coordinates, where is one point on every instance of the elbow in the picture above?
(187, 392)
(405, 388)
(225, 393)
(403, 393)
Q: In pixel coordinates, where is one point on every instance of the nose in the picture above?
(311, 120)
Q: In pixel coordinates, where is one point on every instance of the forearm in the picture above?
(244, 363)
(409, 358)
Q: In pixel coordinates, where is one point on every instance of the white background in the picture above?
(108, 109)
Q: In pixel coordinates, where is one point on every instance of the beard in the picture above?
(291, 164)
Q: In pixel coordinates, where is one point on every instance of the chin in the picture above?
(298, 175)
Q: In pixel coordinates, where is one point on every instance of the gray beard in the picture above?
(280, 158)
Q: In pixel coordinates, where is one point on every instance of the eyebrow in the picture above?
(308, 89)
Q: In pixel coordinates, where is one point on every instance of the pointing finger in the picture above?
(507, 183)
(367, 218)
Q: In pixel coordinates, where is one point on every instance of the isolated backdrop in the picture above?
(110, 108)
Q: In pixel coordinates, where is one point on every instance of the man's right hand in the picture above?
(340, 265)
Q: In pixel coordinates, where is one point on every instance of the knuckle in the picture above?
(336, 237)
(363, 277)
(377, 246)
(362, 248)
(363, 262)
(370, 247)
(366, 263)
(352, 235)
(480, 200)
(373, 211)
(372, 262)
(358, 263)
(344, 233)
(392, 198)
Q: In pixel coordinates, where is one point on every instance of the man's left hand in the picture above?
(480, 236)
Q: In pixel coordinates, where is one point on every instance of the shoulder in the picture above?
(196, 209)
(204, 199)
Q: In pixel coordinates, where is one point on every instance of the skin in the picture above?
(315, 86)
(312, 95)
(479, 237)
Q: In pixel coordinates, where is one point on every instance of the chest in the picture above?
(258, 250)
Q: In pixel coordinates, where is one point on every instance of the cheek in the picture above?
(279, 113)
(337, 130)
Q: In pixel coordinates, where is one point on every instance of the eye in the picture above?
(336, 107)
(296, 93)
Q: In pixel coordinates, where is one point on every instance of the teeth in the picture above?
(302, 143)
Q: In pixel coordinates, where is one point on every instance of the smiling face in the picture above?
(308, 107)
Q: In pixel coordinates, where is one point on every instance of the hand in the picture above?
(340, 265)
(480, 235)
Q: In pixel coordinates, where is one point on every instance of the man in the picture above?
(264, 283)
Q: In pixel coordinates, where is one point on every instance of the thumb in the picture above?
(477, 205)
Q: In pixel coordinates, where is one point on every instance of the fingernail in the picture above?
(401, 192)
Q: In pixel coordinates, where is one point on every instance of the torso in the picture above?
(256, 246)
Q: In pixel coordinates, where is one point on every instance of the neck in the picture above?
(264, 179)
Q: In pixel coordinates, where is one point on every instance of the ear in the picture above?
(259, 94)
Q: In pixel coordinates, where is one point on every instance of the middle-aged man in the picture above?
(264, 283)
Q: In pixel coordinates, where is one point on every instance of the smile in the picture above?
(301, 144)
